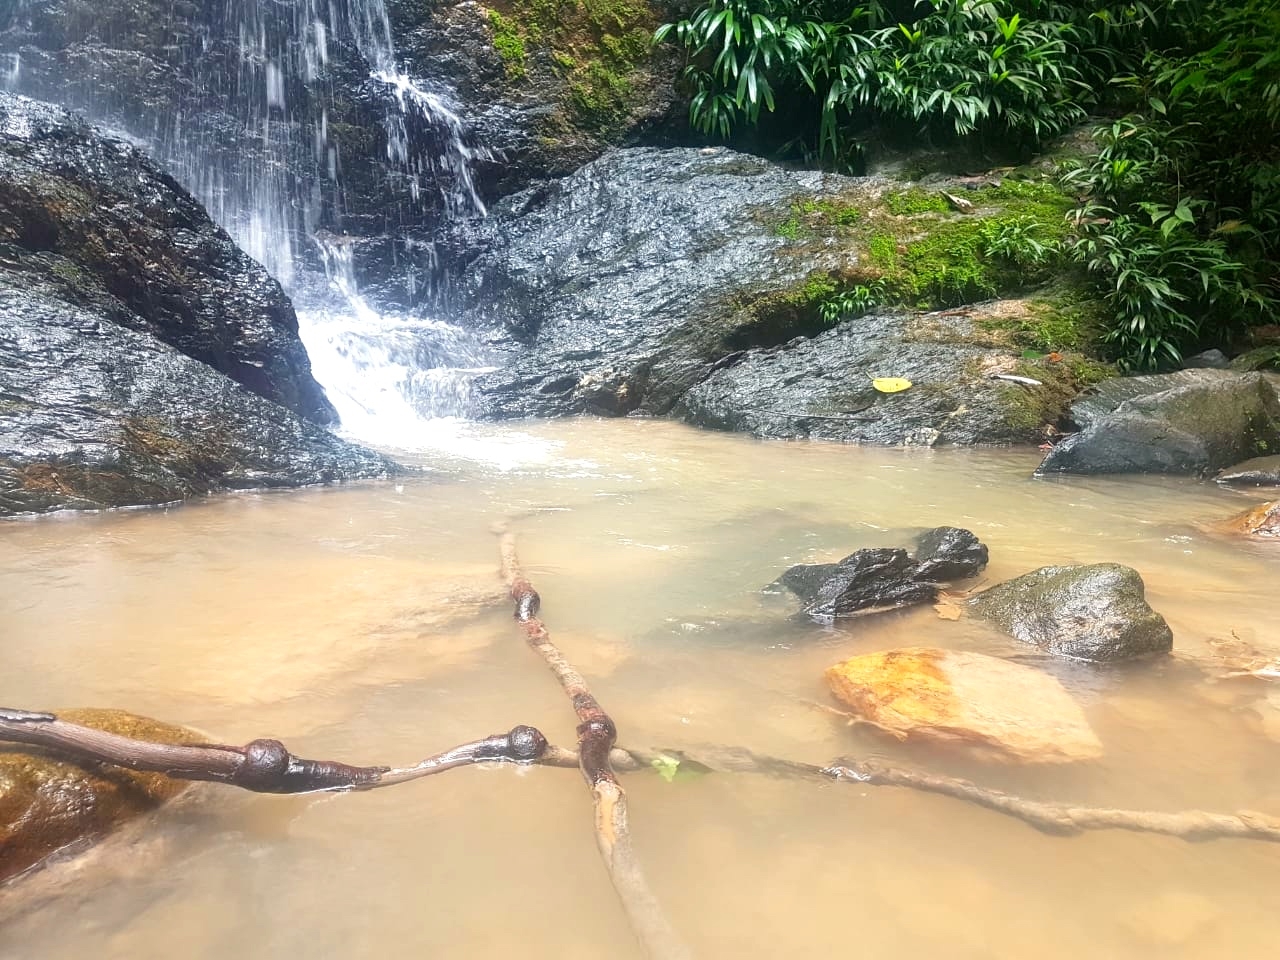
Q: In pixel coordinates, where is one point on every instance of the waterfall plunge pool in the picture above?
(365, 623)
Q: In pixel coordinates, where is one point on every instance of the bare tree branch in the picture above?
(596, 737)
(264, 766)
(1060, 819)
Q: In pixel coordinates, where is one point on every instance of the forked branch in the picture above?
(596, 737)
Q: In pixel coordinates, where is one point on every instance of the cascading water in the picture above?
(388, 374)
(239, 107)
(244, 118)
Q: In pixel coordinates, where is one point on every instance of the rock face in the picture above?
(48, 804)
(549, 87)
(882, 578)
(120, 302)
(272, 115)
(107, 226)
(669, 282)
(1258, 472)
(1263, 521)
(1192, 422)
(1096, 612)
(1004, 710)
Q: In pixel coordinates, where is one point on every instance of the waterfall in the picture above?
(243, 119)
(387, 373)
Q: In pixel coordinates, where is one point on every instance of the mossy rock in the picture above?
(49, 804)
(1096, 612)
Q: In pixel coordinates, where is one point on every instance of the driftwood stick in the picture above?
(1059, 819)
(596, 737)
(264, 766)
(1066, 819)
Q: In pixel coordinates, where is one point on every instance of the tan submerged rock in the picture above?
(1007, 710)
(48, 804)
(1263, 521)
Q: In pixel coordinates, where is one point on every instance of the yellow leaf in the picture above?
(890, 384)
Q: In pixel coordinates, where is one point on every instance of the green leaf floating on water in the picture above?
(667, 766)
(672, 765)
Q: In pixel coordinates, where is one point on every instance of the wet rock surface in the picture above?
(231, 96)
(548, 89)
(1189, 422)
(108, 227)
(867, 581)
(882, 578)
(1096, 612)
(143, 357)
(1003, 710)
(1258, 472)
(656, 282)
(48, 804)
(94, 415)
(274, 102)
(950, 553)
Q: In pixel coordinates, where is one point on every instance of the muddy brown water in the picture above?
(360, 623)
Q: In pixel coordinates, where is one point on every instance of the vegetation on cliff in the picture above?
(1178, 213)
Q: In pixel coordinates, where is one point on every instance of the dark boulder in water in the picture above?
(143, 357)
(882, 578)
(1258, 472)
(950, 553)
(93, 414)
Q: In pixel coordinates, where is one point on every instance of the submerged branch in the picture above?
(1066, 819)
(1060, 819)
(596, 737)
(263, 766)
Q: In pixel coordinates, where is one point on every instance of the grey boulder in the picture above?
(1189, 422)
(1096, 612)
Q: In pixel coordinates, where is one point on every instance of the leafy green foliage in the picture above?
(1179, 221)
(1024, 69)
(1182, 213)
(853, 302)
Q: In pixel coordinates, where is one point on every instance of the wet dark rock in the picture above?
(103, 223)
(656, 282)
(239, 100)
(188, 81)
(880, 578)
(94, 414)
(950, 553)
(1096, 612)
(876, 578)
(1258, 472)
(143, 357)
(584, 79)
(49, 804)
(804, 579)
(1190, 422)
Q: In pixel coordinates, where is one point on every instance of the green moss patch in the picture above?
(595, 46)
